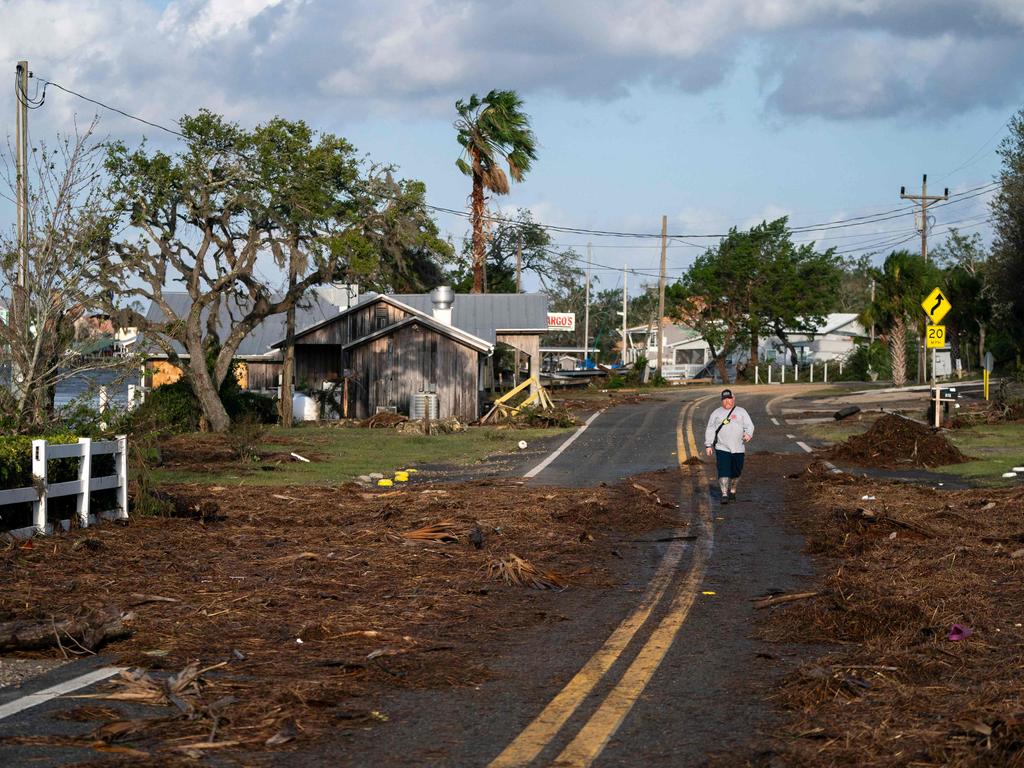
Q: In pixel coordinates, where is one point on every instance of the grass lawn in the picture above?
(339, 455)
(837, 431)
(996, 448)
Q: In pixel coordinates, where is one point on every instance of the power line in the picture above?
(853, 221)
(130, 116)
(970, 160)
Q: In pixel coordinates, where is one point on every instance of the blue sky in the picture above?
(713, 112)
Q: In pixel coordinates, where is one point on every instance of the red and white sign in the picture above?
(561, 321)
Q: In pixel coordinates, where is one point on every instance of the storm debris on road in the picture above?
(514, 570)
(894, 441)
(924, 628)
(293, 613)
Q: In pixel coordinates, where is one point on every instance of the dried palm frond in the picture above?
(515, 571)
(442, 532)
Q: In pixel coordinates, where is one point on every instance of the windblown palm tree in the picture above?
(900, 285)
(490, 130)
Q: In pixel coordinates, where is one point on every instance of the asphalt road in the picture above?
(679, 690)
(701, 698)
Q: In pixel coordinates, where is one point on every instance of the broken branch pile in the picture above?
(289, 611)
(894, 441)
(921, 606)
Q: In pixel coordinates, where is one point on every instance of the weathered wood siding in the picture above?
(316, 363)
(263, 375)
(390, 369)
(354, 325)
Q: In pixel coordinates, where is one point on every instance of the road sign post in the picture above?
(935, 306)
(987, 365)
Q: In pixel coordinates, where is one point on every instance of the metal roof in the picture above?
(481, 315)
(484, 314)
(312, 309)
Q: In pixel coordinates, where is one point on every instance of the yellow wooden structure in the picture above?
(538, 396)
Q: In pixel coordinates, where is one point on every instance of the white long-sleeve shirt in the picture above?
(730, 437)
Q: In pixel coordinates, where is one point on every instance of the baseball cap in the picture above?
(726, 393)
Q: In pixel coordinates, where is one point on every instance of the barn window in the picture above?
(380, 316)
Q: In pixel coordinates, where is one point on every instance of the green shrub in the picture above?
(245, 435)
(259, 408)
(175, 407)
(16, 460)
(171, 407)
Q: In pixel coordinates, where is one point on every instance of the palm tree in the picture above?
(490, 130)
(900, 285)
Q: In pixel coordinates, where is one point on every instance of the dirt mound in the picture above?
(894, 441)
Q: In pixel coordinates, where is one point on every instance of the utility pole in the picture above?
(661, 290)
(519, 289)
(19, 300)
(924, 200)
(871, 343)
(625, 304)
(519, 264)
(586, 315)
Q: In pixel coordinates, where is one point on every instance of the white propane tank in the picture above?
(304, 408)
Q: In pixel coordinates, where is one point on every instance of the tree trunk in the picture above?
(477, 209)
(216, 415)
(897, 339)
(284, 407)
(953, 339)
(981, 344)
(723, 370)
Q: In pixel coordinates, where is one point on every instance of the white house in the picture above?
(834, 339)
(685, 354)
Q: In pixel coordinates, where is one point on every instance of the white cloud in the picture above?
(838, 59)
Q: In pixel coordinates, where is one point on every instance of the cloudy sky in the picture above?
(713, 112)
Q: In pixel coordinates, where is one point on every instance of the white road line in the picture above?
(40, 697)
(805, 446)
(558, 451)
(775, 422)
(791, 437)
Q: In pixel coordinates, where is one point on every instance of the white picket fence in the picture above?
(42, 490)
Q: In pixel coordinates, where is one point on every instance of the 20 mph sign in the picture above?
(561, 321)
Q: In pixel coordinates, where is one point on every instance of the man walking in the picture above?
(728, 429)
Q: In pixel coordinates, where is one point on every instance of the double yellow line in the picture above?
(602, 725)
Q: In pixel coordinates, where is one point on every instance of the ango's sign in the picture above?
(561, 321)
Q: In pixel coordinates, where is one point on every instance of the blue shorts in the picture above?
(729, 464)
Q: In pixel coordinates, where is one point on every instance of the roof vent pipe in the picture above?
(442, 298)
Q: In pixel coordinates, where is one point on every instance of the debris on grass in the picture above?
(892, 615)
(383, 420)
(894, 441)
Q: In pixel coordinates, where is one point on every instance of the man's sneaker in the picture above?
(732, 495)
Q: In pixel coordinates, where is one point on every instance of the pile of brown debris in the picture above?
(291, 608)
(921, 610)
(896, 441)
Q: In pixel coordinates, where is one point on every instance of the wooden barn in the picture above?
(391, 349)
(391, 346)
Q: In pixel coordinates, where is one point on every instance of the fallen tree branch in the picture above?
(87, 628)
(768, 602)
